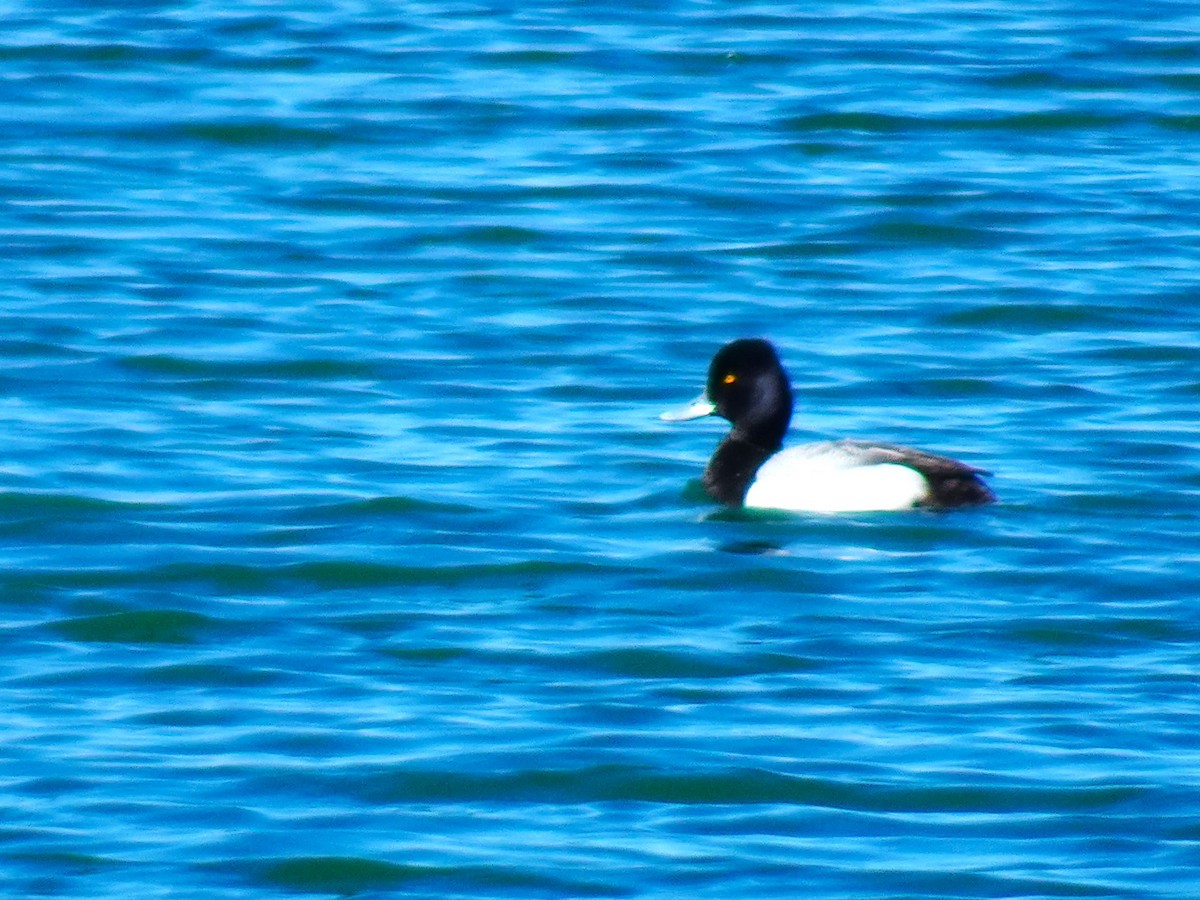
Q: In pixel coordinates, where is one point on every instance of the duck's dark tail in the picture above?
(954, 489)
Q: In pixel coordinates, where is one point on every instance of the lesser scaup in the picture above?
(748, 386)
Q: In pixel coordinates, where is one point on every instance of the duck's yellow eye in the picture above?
(730, 378)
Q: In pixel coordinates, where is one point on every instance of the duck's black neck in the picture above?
(757, 400)
(732, 468)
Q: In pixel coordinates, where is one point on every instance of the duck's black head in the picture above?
(748, 386)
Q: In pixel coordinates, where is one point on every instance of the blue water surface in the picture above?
(342, 552)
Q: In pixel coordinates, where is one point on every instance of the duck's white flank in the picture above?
(824, 477)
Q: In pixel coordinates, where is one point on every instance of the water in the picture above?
(343, 552)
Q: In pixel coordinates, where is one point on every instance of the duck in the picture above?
(748, 386)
